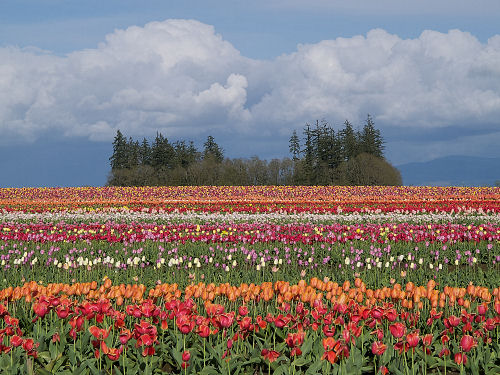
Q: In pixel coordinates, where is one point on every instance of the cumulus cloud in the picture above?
(182, 78)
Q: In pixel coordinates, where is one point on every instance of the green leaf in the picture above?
(45, 356)
(307, 346)
(5, 361)
(58, 363)
(209, 370)
(282, 369)
(301, 361)
(51, 366)
(53, 351)
(315, 367)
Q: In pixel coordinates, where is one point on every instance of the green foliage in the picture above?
(212, 150)
(346, 157)
(366, 169)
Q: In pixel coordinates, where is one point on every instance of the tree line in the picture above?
(320, 157)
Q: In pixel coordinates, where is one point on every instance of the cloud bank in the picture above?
(182, 78)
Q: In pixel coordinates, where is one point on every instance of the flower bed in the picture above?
(250, 280)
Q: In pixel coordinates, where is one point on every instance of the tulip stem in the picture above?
(412, 362)
(406, 363)
(204, 342)
(123, 359)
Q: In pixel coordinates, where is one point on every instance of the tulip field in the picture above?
(250, 280)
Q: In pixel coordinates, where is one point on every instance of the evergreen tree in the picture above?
(182, 154)
(371, 141)
(308, 155)
(212, 150)
(162, 153)
(132, 153)
(349, 141)
(294, 146)
(193, 153)
(119, 159)
(145, 153)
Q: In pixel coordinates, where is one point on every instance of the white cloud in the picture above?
(182, 78)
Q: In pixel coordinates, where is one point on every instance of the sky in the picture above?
(247, 72)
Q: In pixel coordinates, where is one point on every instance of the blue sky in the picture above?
(249, 73)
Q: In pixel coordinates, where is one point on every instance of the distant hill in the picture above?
(452, 171)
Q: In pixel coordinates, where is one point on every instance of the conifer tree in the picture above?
(350, 141)
(309, 154)
(294, 146)
(132, 153)
(119, 158)
(162, 153)
(212, 150)
(145, 153)
(371, 141)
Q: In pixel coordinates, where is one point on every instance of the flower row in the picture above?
(87, 325)
(256, 198)
(249, 232)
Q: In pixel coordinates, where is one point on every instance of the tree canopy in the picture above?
(325, 157)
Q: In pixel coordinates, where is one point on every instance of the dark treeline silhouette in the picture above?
(322, 157)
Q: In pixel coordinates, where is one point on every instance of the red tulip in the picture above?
(184, 324)
(16, 341)
(280, 321)
(164, 324)
(243, 310)
(99, 333)
(444, 352)
(11, 321)
(29, 345)
(391, 315)
(330, 343)
(427, 339)
(186, 356)
(453, 321)
(377, 313)
(413, 339)
(145, 340)
(63, 312)
(482, 309)
(330, 356)
(490, 324)
(397, 330)
(41, 309)
(467, 343)
(225, 320)
(328, 331)
(460, 358)
(378, 348)
(125, 335)
(114, 353)
(270, 355)
(295, 339)
(148, 350)
(203, 331)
